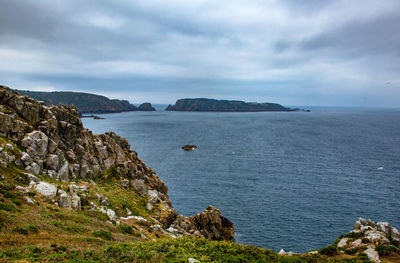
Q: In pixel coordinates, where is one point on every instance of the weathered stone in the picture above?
(33, 168)
(372, 254)
(395, 234)
(53, 162)
(75, 201)
(65, 201)
(140, 188)
(63, 173)
(214, 225)
(192, 260)
(384, 227)
(26, 159)
(342, 242)
(48, 190)
(35, 144)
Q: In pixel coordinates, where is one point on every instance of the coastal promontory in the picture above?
(86, 103)
(212, 105)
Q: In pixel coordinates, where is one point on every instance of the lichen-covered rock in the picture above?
(65, 201)
(48, 190)
(372, 254)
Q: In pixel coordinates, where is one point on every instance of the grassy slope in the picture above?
(43, 232)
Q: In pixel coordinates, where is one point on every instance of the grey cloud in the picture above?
(360, 38)
(296, 49)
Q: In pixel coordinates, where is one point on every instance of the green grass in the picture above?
(103, 234)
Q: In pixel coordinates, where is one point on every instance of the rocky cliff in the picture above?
(61, 161)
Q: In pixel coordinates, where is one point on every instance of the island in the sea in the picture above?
(85, 102)
(213, 105)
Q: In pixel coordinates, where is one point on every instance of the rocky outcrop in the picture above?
(53, 142)
(146, 107)
(210, 224)
(367, 236)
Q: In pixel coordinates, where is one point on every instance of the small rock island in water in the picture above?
(225, 106)
(189, 147)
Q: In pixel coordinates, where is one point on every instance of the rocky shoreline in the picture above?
(48, 159)
(54, 143)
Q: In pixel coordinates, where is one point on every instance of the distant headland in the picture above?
(213, 105)
(85, 102)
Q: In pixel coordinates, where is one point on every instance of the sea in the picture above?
(287, 180)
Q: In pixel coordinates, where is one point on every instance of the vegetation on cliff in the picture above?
(85, 102)
(68, 195)
(224, 106)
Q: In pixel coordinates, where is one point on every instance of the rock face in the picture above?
(367, 235)
(55, 143)
(210, 224)
(224, 106)
(146, 107)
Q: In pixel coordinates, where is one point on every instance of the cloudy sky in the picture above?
(306, 52)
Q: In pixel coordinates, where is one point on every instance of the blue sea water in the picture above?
(291, 180)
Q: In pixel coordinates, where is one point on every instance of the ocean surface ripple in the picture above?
(290, 180)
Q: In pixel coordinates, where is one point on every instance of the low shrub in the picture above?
(103, 234)
(32, 228)
(21, 230)
(126, 229)
(385, 250)
(7, 207)
(328, 251)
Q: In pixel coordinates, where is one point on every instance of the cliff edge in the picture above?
(61, 161)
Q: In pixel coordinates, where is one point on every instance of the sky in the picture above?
(305, 52)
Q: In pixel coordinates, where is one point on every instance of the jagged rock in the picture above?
(76, 201)
(384, 227)
(342, 242)
(33, 168)
(52, 174)
(140, 188)
(192, 260)
(356, 243)
(49, 191)
(395, 234)
(372, 254)
(63, 173)
(52, 146)
(53, 162)
(26, 159)
(12, 127)
(35, 144)
(214, 225)
(7, 157)
(65, 201)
